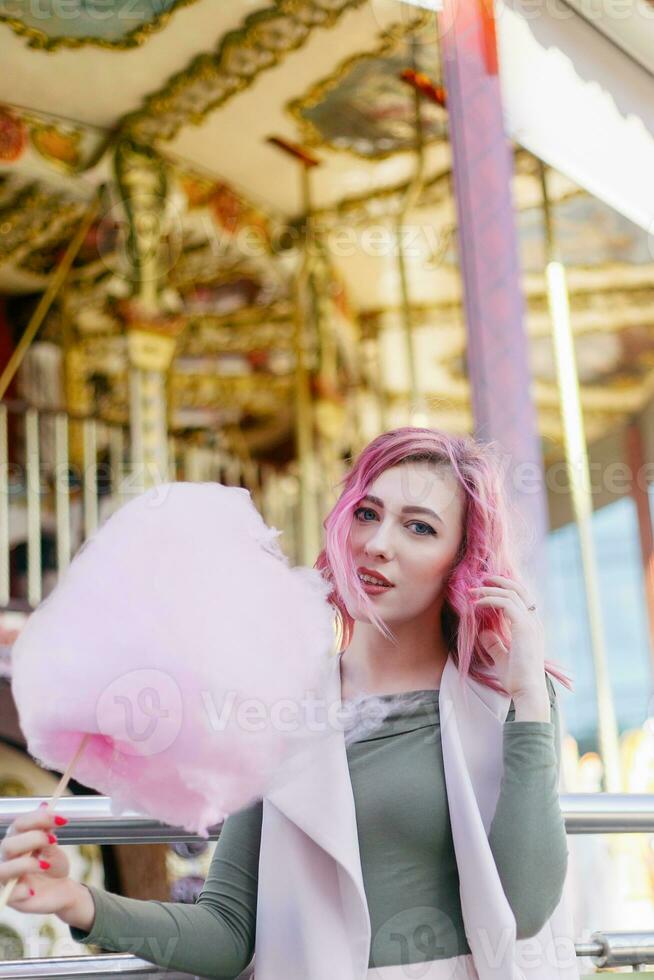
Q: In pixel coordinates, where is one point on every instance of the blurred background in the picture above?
(239, 240)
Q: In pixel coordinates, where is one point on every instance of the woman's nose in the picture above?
(378, 544)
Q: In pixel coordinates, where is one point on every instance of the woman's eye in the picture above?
(421, 534)
(430, 530)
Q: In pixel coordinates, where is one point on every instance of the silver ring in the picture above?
(531, 608)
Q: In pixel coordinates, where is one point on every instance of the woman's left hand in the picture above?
(521, 668)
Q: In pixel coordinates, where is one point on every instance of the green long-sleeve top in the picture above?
(407, 854)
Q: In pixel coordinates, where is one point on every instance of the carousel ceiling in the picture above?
(89, 86)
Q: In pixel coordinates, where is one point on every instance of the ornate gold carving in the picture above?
(150, 351)
(32, 218)
(133, 39)
(198, 190)
(386, 201)
(257, 394)
(437, 190)
(67, 145)
(58, 146)
(142, 181)
(206, 335)
(89, 359)
(263, 41)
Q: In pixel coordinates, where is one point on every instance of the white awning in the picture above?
(577, 94)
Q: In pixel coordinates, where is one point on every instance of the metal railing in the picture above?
(91, 821)
(608, 949)
(59, 471)
(108, 965)
(52, 484)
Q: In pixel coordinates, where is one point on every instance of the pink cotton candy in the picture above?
(183, 641)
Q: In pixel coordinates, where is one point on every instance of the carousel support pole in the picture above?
(304, 429)
(379, 383)
(150, 356)
(57, 280)
(142, 181)
(415, 407)
(407, 321)
(310, 537)
(497, 351)
(640, 496)
(334, 421)
(578, 470)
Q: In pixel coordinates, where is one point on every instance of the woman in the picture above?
(380, 860)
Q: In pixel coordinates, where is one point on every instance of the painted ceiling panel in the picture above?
(99, 85)
(217, 144)
(52, 23)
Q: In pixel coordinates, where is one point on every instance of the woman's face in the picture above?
(413, 549)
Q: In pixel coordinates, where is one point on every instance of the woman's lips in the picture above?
(371, 574)
(371, 589)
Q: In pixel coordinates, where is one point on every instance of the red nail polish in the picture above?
(52, 839)
(60, 821)
(44, 864)
(32, 892)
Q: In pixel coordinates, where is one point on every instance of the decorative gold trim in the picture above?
(616, 301)
(264, 39)
(310, 134)
(143, 185)
(134, 39)
(150, 351)
(32, 218)
(280, 312)
(435, 190)
(85, 160)
(41, 132)
(206, 338)
(258, 394)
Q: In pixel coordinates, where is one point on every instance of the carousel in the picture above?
(231, 249)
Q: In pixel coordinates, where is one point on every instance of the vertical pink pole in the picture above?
(488, 252)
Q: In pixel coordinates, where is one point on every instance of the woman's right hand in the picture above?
(39, 889)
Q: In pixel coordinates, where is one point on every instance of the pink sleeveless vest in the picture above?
(312, 914)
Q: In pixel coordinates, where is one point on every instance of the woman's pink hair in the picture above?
(488, 545)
